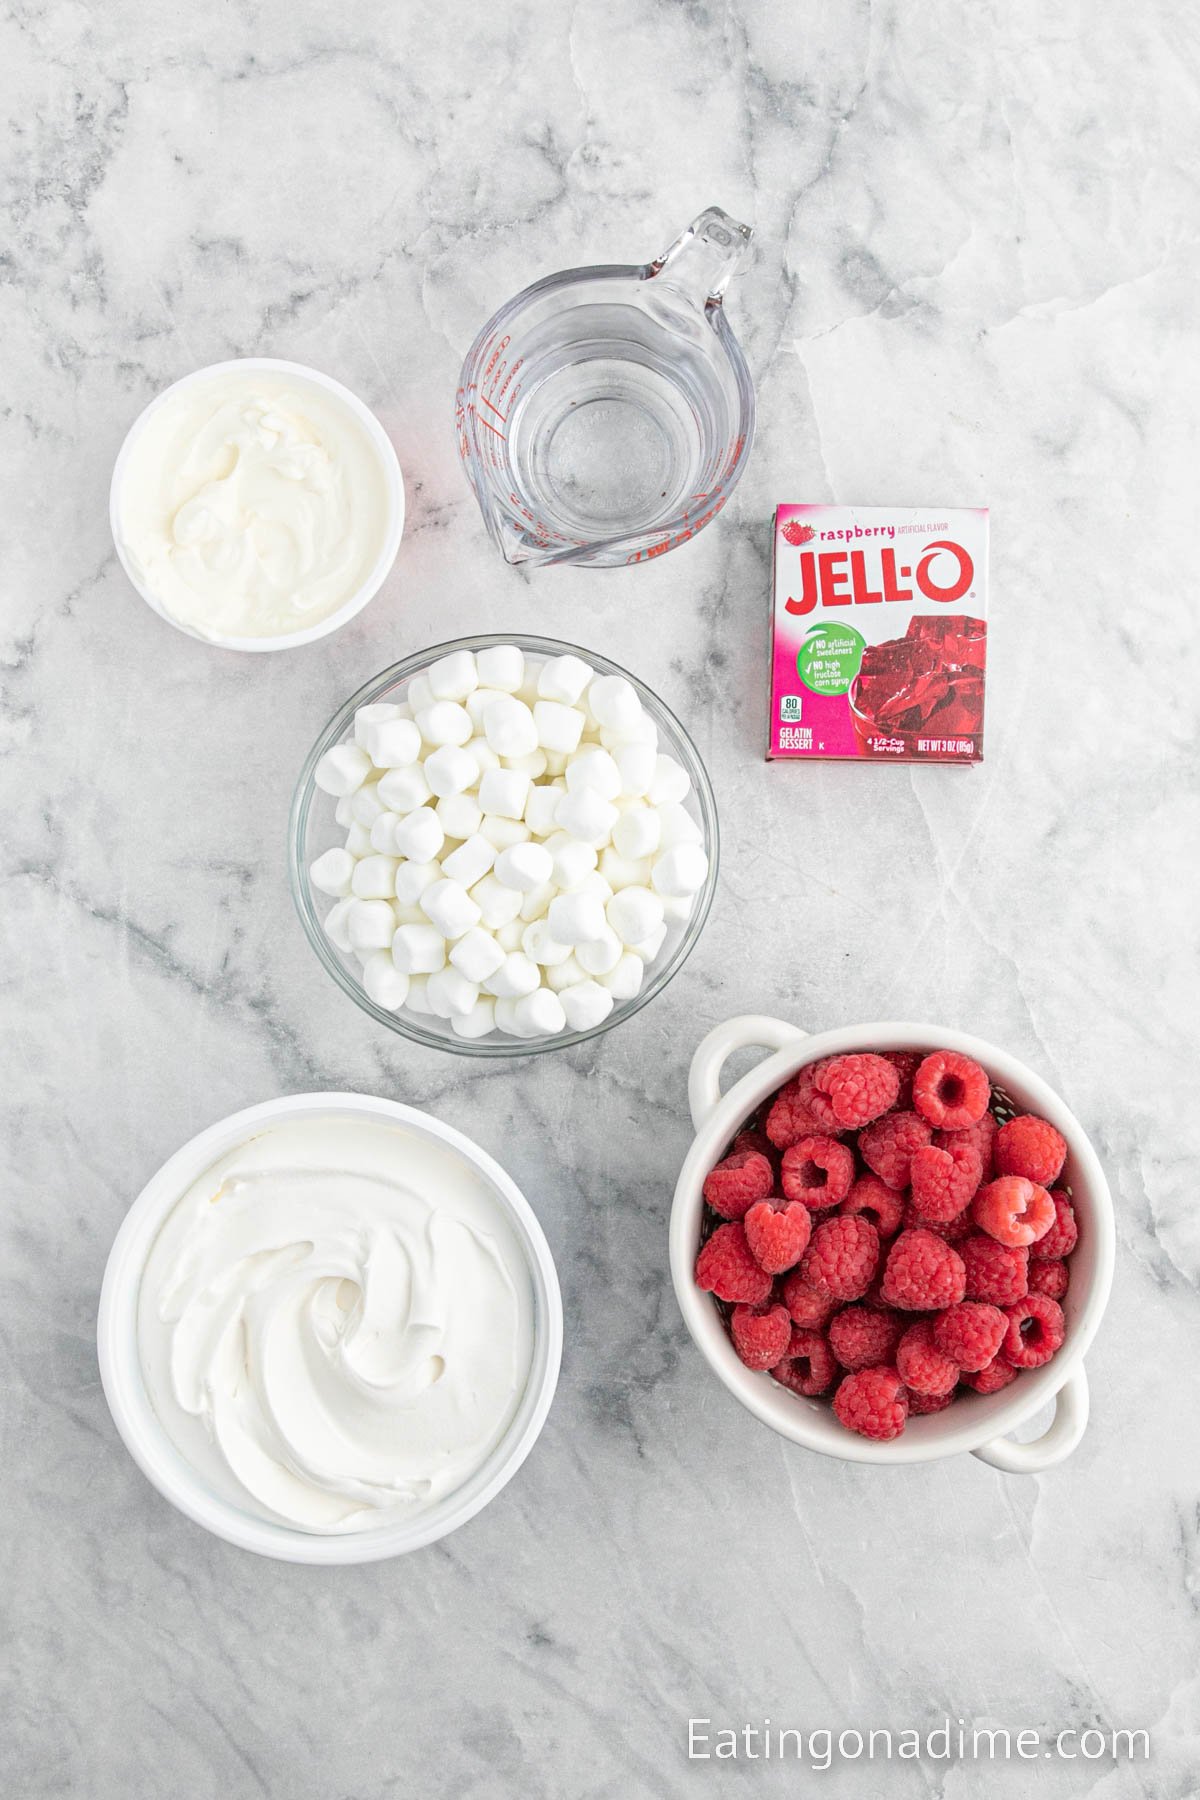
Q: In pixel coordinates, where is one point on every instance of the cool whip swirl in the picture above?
(335, 1324)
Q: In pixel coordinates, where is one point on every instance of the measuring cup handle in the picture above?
(702, 260)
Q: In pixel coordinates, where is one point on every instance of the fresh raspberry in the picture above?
(1063, 1235)
(753, 1137)
(726, 1267)
(810, 1307)
(905, 1063)
(872, 1402)
(796, 534)
(778, 1235)
(1031, 1147)
(735, 1184)
(1035, 1331)
(808, 1367)
(944, 1181)
(878, 1204)
(927, 1403)
(996, 1272)
(761, 1334)
(887, 1146)
(860, 1088)
(842, 1257)
(923, 1272)
(992, 1377)
(922, 1366)
(1049, 1276)
(951, 1090)
(861, 1336)
(818, 1171)
(1013, 1211)
(970, 1334)
(982, 1135)
(955, 1230)
(799, 1110)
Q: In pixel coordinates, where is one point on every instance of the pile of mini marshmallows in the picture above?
(517, 847)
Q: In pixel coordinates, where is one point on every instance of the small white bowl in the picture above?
(389, 468)
(148, 1442)
(979, 1423)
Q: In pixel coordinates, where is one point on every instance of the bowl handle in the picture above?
(713, 1052)
(1055, 1444)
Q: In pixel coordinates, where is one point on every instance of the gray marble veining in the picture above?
(974, 282)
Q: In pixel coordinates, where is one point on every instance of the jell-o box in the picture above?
(879, 633)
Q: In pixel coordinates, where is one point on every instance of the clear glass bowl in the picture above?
(311, 829)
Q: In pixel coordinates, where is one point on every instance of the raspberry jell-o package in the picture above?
(879, 633)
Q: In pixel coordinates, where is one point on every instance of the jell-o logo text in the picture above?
(826, 579)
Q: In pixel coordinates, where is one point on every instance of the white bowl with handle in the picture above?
(979, 1423)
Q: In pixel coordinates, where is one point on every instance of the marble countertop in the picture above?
(974, 282)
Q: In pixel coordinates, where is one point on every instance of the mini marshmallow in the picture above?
(477, 954)
(497, 904)
(471, 861)
(601, 955)
(477, 703)
(597, 886)
(680, 871)
(449, 993)
(503, 793)
(343, 812)
(624, 871)
(383, 982)
(342, 770)
(573, 861)
(650, 948)
(637, 764)
(403, 790)
(678, 908)
(420, 836)
(634, 914)
(336, 921)
(485, 756)
(459, 815)
(565, 974)
(501, 666)
(504, 833)
(367, 716)
(453, 677)
(638, 832)
(586, 815)
(677, 826)
(445, 722)
(509, 727)
(418, 950)
(518, 974)
(365, 805)
(393, 743)
(539, 809)
(533, 765)
(671, 781)
(585, 1005)
(375, 878)
(563, 678)
(509, 936)
(418, 998)
(556, 762)
(535, 902)
(540, 1014)
(383, 834)
(408, 915)
(542, 946)
(451, 770)
(645, 731)
(594, 768)
(624, 982)
(576, 918)
(370, 925)
(613, 703)
(558, 727)
(524, 866)
(332, 872)
(419, 694)
(448, 905)
(478, 1022)
(505, 1021)
(358, 840)
(412, 878)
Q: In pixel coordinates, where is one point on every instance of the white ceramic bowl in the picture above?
(976, 1422)
(389, 469)
(148, 1442)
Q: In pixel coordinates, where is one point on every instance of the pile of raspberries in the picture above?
(876, 1233)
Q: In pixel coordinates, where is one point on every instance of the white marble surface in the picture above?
(975, 282)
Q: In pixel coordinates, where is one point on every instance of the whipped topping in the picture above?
(252, 504)
(335, 1323)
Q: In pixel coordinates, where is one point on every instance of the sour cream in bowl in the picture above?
(257, 504)
(330, 1329)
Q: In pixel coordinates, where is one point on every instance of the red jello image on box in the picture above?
(879, 633)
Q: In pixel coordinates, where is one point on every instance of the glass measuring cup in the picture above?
(605, 414)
